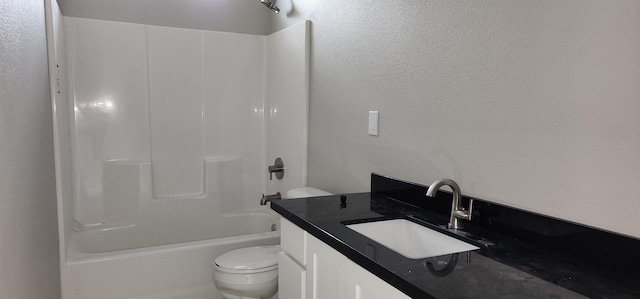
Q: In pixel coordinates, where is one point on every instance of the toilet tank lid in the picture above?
(306, 192)
(249, 258)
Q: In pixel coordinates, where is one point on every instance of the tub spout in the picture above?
(266, 198)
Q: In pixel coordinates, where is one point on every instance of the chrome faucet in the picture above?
(266, 198)
(457, 212)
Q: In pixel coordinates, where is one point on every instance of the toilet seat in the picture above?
(253, 271)
(248, 260)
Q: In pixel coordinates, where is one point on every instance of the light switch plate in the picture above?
(373, 123)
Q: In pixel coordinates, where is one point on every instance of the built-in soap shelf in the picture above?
(128, 184)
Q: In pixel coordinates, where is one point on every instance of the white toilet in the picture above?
(252, 272)
(247, 273)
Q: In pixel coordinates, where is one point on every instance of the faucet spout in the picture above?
(457, 212)
(267, 198)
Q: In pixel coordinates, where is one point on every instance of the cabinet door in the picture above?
(291, 278)
(325, 271)
(293, 241)
(361, 284)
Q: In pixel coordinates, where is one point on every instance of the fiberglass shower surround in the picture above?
(163, 138)
(169, 125)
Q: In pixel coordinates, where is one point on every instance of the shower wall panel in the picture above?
(109, 84)
(233, 111)
(178, 103)
(287, 68)
(175, 59)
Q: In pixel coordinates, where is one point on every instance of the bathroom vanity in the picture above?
(518, 255)
(309, 268)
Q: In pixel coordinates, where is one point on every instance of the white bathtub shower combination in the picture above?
(163, 137)
(94, 243)
(100, 265)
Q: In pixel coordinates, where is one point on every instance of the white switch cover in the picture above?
(373, 123)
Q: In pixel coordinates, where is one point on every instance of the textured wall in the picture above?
(28, 231)
(240, 16)
(533, 104)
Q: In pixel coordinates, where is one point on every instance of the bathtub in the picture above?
(136, 262)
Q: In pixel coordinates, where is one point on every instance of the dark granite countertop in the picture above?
(542, 258)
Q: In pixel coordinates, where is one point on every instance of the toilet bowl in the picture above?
(247, 273)
(252, 272)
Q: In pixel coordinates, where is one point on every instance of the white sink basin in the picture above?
(410, 239)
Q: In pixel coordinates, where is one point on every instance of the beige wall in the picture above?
(28, 231)
(534, 104)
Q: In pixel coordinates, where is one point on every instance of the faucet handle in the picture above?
(463, 213)
(470, 208)
(278, 168)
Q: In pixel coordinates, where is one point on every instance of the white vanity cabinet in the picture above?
(326, 271)
(291, 278)
(361, 284)
(323, 272)
(292, 261)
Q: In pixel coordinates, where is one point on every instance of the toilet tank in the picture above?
(306, 192)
